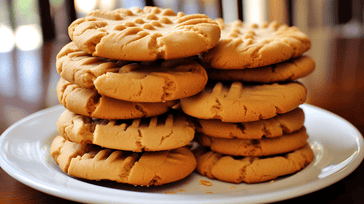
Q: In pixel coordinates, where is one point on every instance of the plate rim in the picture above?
(293, 192)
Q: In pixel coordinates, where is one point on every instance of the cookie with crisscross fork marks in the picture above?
(90, 103)
(244, 45)
(164, 132)
(251, 169)
(256, 147)
(289, 70)
(92, 162)
(155, 81)
(144, 34)
(268, 128)
(238, 102)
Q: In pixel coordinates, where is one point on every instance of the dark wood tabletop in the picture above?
(28, 80)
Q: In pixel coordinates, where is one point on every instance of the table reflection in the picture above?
(27, 81)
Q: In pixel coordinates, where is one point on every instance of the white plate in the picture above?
(24, 155)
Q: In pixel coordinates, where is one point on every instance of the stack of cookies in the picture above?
(120, 77)
(248, 118)
(126, 70)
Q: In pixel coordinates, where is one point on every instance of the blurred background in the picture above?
(33, 31)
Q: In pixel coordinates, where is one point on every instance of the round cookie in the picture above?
(268, 128)
(243, 45)
(251, 169)
(88, 102)
(289, 70)
(235, 102)
(138, 82)
(92, 162)
(261, 147)
(144, 34)
(164, 132)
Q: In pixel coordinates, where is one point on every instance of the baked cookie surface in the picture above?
(268, 128)
(144, 34)
(89, 102)
(289, 70)
(164, 132)
(92, 162)
(138, 82)
(255, 147)
(237, 102)
(244, 45)
(251, 169)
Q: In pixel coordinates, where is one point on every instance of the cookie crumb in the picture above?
(272, 181)
(209, 192)
(233, 186)
(169, 192)
(181, 190)
(205, 183)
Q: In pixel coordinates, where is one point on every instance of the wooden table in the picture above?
(28, 80)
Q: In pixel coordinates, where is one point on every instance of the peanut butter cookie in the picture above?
(155, 81)
(243, 45)
(92, 162)
(164, 132)
(89, 102)
(268, 128)
(289, 70)
(259, 147)
(251, 169)
(237, 102)
(144, 34)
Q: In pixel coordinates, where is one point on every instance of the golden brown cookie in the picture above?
(272, 127)
(144, 34)
(164, 132)
(251, 169)
(90, 103)
(289, 70)
(243, 45)
(138, 82)
(260, 147)
(92, 162)
(238, 102)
